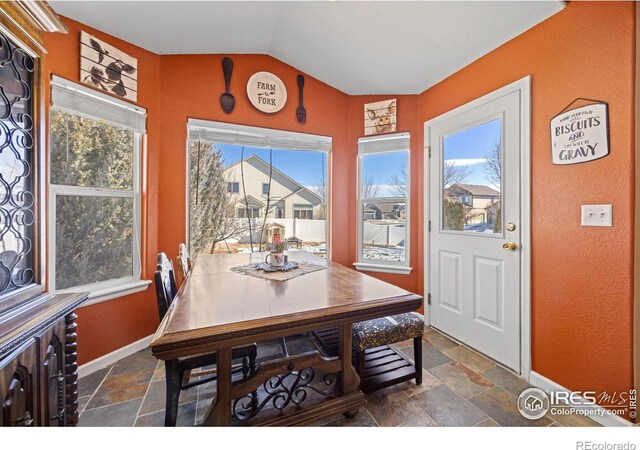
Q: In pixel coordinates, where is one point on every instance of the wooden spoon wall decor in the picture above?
(227, 101)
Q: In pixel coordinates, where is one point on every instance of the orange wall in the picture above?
(107, 326)
(582, 279)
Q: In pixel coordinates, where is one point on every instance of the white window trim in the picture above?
(109, 289)
(390, 143)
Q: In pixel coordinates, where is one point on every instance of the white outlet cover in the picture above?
(597, 215)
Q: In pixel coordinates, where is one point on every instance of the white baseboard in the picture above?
(608, 420)
(110, 358)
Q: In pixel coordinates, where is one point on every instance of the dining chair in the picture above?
(184, 262)
(178, 370)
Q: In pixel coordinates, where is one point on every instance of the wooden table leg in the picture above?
(172, 381)
(350, 379)
(219, 413)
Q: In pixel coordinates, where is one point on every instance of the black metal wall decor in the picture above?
(580, 134)
(16, 160)
(301, 113)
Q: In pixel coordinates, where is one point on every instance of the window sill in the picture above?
(102, 295)
(384, 268)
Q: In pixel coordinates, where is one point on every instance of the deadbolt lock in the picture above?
(511, 226)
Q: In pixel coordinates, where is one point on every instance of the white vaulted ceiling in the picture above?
(358, 47)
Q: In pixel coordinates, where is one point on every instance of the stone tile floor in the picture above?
(459, 388)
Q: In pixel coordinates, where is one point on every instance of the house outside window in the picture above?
(278, 172)
(383, 203)
(233, 187)
(94, 192)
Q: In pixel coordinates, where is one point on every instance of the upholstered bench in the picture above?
(378, 364)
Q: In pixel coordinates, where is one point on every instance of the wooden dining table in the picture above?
(217, 309)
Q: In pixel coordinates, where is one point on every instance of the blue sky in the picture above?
(469, 147)
(381, 167)
(303, 167)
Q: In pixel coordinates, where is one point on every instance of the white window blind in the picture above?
(84, 101)
(384, 143)
(222, 133)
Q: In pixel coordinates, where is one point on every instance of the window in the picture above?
(282, 179)
(233, 187)
(251, 213)
(94, 191)
(304, 212)
(383, 217)
(471, 179)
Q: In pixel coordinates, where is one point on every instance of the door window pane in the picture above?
(384, 231)
(471, 179)
(94, 239)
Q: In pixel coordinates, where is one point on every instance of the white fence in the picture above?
(384, 234)
(306, 230)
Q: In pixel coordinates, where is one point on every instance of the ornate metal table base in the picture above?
(295, 390)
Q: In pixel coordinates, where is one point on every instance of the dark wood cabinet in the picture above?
(38, 363)
(51, 346)
(18, 387)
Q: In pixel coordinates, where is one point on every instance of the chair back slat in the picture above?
(165, 281)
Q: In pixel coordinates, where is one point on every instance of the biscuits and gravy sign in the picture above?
(266, 92)
(580, 135)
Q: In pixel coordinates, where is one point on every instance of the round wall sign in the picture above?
(266, 92)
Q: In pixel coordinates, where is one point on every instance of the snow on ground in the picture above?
(383, 253)
(322, 248)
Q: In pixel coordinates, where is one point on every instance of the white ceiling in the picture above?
(358, 47)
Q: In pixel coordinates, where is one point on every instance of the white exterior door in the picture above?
(475, 225)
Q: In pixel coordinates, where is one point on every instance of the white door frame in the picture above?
(523, 86)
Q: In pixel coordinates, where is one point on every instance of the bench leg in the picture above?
(417, 357)
(360, 368)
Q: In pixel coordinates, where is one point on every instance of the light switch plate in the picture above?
(597, 215)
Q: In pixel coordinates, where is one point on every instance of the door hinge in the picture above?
(429, 299)
(429, 226)
(429, 150)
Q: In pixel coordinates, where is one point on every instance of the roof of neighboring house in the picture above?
(258, 162)
(476, 189)
(274, 225)
(251, 200)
